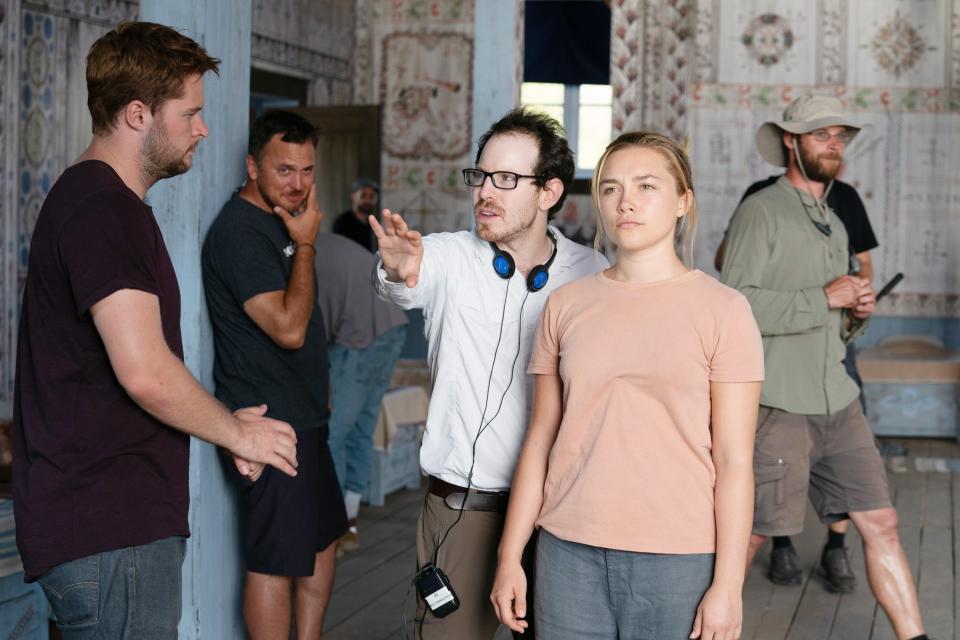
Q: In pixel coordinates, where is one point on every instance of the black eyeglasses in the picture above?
(501, 179)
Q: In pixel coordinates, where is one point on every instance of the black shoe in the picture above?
(835, 570)
(785, 567)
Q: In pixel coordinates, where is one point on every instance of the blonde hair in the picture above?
(678, 164)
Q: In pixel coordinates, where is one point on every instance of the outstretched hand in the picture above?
(401, 249)
(303, 227)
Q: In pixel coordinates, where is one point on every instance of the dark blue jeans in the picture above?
(127, 594)
(359, 378)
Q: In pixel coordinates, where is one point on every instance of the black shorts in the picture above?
(288, 520)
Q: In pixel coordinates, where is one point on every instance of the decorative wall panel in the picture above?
(425, 88)
(9, 237)
(42, 75)
(416, 59)
(774, 45)
(894, 63)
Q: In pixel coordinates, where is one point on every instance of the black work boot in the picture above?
(785, 567)
(835, 570)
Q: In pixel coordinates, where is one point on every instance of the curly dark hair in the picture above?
(294, 128)
(555, 159)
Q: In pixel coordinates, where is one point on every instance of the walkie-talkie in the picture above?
(434, 587)
(887, 288)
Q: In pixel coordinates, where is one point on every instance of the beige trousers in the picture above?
(468, 557)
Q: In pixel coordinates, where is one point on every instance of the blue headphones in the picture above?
(504, 266)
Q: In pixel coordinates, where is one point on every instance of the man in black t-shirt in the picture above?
(353, 224)
(103, 403)
(258, 276)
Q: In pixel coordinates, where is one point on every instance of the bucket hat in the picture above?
(807, 113)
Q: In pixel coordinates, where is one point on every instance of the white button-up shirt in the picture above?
(463, 301)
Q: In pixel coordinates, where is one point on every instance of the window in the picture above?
(586, 112)
(270, 90)
(545, 97)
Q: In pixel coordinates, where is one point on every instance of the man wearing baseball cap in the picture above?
(353, 224)
(788, 253)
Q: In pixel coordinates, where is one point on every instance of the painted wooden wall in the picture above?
(185, 207)
(497, 63)
(696, 69)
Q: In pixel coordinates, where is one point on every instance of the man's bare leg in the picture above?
(888, 571)
(313, 594)
(840, 527)
(756, 542)
(266, 606)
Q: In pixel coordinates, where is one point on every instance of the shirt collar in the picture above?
(806, 198)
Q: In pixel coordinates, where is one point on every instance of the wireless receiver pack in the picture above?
(434, 587)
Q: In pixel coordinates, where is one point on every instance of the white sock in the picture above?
(352, 501)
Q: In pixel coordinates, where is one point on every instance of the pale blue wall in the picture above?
(185, 207)
(946, 330)
(494, 63)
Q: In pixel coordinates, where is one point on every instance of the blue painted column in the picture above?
(496, 56)
(185, 206)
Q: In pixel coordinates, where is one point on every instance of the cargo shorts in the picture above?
(832, 459)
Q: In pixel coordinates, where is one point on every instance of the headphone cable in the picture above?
(481, 428)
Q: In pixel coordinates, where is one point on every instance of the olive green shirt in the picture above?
(781, 262)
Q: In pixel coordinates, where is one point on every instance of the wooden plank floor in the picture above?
(372, 583)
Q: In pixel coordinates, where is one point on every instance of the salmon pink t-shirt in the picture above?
(631, 467)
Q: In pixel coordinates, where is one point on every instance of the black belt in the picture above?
(457, 498)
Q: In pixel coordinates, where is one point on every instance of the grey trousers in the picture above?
(585, 592)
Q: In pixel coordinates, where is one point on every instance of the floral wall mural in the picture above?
(713, 72)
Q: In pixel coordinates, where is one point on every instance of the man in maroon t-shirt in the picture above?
(103, 402)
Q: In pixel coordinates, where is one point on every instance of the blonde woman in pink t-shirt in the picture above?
(637, 465)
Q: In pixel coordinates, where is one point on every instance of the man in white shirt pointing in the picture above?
(481, 292)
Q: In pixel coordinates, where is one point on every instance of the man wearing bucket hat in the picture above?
(788, 253)
(785, 567)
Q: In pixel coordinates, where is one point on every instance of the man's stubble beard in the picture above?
(160, 159)
(524, 220)
(271, 204)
